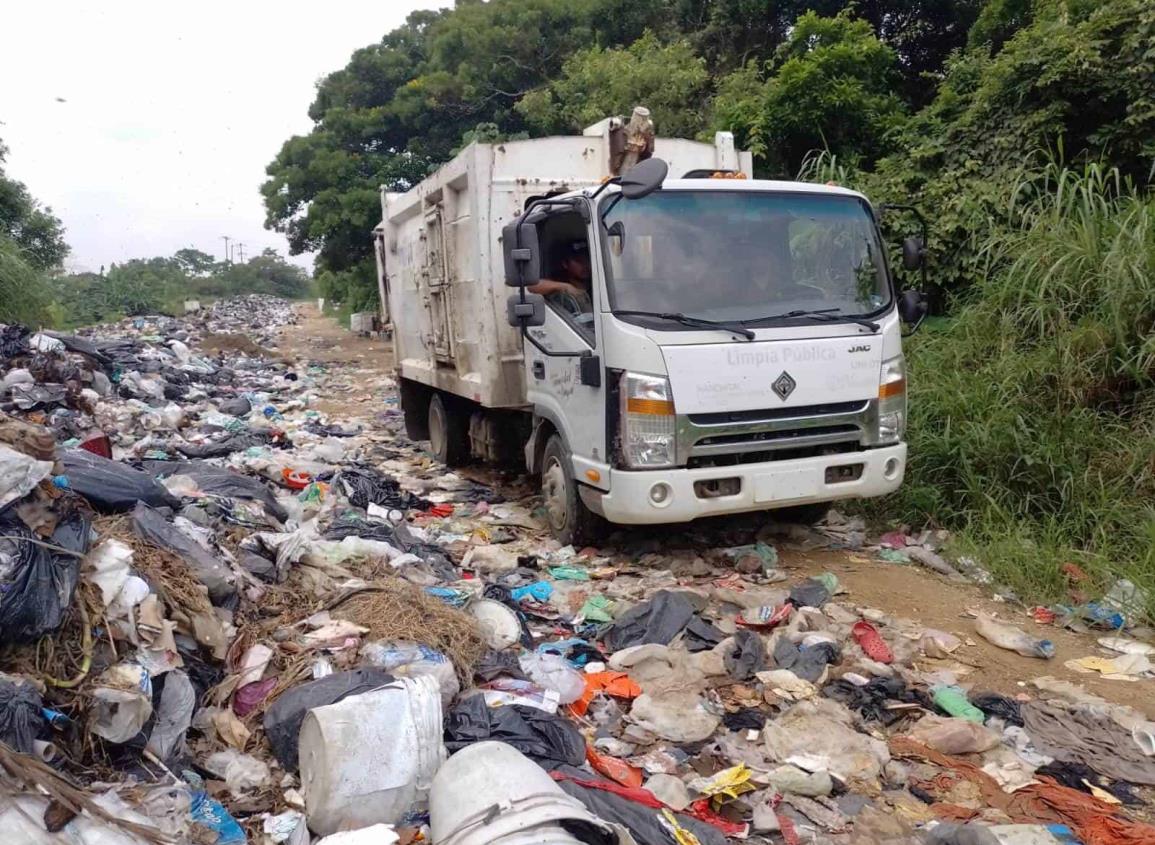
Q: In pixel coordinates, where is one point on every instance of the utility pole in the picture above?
(228, 255)
(241, 252)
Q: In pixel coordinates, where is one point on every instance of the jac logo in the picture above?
(854, 349)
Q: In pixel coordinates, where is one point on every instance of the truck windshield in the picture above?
(744, 255)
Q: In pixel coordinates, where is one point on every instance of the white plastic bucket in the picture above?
(492, 794)
(371, 758)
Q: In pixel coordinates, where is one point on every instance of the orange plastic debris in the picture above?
(616, 684)
(613, 768)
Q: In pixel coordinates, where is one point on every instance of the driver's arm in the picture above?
(547, 286)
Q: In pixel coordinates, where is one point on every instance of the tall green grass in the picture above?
(24, 294)
(1033, 411)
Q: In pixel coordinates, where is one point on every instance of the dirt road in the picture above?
(363, 391)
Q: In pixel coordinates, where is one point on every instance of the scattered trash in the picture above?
(233, 615)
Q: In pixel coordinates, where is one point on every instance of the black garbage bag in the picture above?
(238, 406)
(810, 593)
(603, 798)
(223, 448)
(993, 704)
(365, 486)
(82, 345)
(29, 396)
(113, 487)
(701, 635)
(541, 736)
(747, 657)
(870, 700)
(283, 719)
(657, 620)
(809, 662)
(13, 341)
(38, 583)
(20, 716)
(206, 567)
(221, 481)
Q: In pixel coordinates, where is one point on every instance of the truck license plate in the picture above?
(788, 484)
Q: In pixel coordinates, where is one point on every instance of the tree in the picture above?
(1078, 83)
(597, 83)
(193, 262)
(404, 105)
(31, 227)
(831, 85)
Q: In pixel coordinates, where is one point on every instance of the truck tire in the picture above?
(572, 523)
(448, 432)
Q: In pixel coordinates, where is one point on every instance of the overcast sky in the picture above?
(147, 126)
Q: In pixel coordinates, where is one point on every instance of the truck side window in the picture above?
(567, 286)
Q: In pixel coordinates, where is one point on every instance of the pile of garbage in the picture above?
(228, 616)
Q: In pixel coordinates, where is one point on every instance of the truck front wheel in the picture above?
(572, 523)
(448, 432)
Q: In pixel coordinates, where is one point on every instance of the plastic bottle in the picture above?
(1012, 638)
(954, 701)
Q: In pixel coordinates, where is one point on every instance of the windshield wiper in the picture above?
(828, 315)
(686, 320)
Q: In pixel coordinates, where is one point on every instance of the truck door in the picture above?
(438, 290)
(554, 384)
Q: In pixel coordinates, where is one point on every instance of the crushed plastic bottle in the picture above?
(1012, 638)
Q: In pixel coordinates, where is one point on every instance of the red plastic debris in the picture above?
(98, 444)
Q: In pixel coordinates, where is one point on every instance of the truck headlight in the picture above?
(648, 434)
(892, 400)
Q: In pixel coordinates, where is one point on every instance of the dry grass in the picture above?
(398, 610)
(168, 575)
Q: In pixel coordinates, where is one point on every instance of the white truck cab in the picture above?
(737, 346)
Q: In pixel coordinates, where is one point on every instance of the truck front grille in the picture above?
(767, 434)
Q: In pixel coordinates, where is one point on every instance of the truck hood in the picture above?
(719, 377)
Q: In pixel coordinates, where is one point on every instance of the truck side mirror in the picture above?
(644, 178)
(528, 313)
(912, 307)
(522, 253)
(913, 253)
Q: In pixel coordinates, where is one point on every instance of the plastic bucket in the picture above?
(492, 794)
(371, 758)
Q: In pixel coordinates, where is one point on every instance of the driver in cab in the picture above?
(571, 292)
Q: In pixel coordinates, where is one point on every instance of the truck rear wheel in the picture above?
(448, 432)
(572, 523)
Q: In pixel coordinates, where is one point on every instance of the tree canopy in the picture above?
(917, 98)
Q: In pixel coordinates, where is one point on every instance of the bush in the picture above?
(23, 290)
(1033, 411)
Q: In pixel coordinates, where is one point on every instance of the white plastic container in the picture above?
(492, 794)
(371, 758)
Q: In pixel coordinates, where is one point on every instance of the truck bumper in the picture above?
(763, 486)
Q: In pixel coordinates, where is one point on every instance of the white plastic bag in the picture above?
(554, 672)
(411, 660)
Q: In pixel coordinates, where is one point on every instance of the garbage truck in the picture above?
(656, 334)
